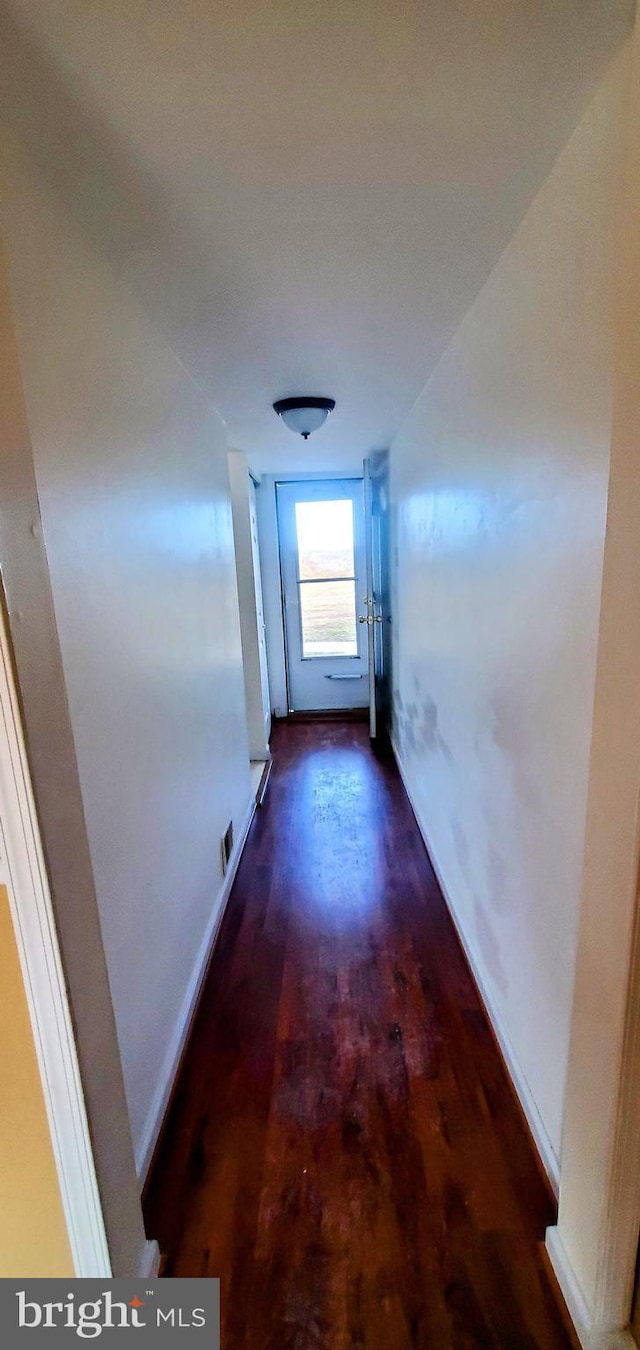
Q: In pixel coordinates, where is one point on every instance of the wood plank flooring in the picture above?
(343, 1148)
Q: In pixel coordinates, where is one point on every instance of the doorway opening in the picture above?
(252, 625)
(321, 528)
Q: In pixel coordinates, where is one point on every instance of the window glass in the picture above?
(324, 532)
(328, 615)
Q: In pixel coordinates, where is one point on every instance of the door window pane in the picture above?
(328, 615)
(324, 532)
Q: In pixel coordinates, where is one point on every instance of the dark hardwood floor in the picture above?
(343, 1148)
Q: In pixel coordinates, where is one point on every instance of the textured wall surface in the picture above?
(499, 487)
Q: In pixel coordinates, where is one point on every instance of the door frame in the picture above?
(263, 663)
(370, 607)
(594, 1245)
(375, 467)
(602, 1314)
(307, 481)
(23, 871)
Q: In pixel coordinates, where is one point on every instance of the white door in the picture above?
(262, 641)
(322, 556)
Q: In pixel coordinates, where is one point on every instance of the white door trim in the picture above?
(602, 1326)
(23, 871)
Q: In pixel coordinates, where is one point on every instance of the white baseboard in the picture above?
(569, 1287)
(536, 1125)
(590, 1336)
(145, 1150)
(149, 1263)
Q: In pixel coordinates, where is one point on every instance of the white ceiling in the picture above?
(306, 195)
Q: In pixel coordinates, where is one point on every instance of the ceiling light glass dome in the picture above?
(304, 414)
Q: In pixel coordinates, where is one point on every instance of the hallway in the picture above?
(343, 1148)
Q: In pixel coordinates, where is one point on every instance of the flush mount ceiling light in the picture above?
(304, 415)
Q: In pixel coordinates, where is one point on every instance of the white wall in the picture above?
(131, 464)
(499, 490)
